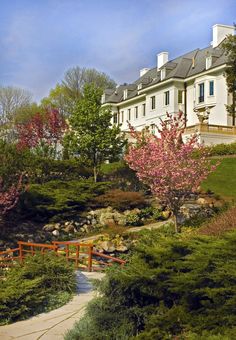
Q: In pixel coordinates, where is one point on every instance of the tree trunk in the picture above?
(95, 174)
(177, 227)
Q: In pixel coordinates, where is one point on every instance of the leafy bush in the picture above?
(42, 284)
(121, 200)
(122, 176)
(60, 197)
(222, 149)
(133, 219)
(171, 287)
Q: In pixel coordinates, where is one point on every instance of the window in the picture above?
(129, 114)
(122, 116)
(211, 88)
(153, 102)
(115, 118)
(167, 97)
(201, 93)
(144, 110)
(136, 112)
(180, 97)
(125, 94)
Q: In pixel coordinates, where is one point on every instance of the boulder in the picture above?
(69, 228)
(55, 233)
(201, 201)
(49, 227)
(122, 248)
(107, 246)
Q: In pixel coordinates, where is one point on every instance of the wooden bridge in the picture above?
(83, 255)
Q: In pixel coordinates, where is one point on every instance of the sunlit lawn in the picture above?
(223, 180)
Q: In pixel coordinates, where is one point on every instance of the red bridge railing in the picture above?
(83, 255)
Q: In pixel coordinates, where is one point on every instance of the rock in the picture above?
(69, 228)
(122, 248)
(49, 227)
(93, 222)
(201, 201)
(107, 246)
(67, 223)
(55, 233)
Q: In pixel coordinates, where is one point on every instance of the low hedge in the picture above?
(41, 284)
(222, 149)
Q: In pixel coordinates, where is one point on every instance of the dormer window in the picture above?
(163, 73)
(125, 94)
(208, 62)
(140, 86)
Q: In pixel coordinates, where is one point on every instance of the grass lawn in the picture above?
(223, 180)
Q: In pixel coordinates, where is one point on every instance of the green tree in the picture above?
(92, 136)
(229, 47)
(59, 98)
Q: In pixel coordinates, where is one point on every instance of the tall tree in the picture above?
(167, 165)
(92, 136)
(76, 78)
(229, 47)
(12, 101)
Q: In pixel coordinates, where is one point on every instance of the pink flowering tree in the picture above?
(9, 196)
(172, 169)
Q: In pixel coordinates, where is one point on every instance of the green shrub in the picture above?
(223, 149)
(170, 286)
(121, 200)
(41, 284)
(62, 198)
(133, 220)
(122, 176)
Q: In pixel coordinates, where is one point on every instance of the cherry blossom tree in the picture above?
(42, 133)
(9, 197)
(172, 169)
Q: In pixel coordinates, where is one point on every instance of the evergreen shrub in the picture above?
(172, 286)
(41, 284)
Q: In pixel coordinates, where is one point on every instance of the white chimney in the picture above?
(220, 32)
(143, 71)
(162, 59)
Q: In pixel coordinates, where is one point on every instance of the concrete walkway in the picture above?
(53, 325)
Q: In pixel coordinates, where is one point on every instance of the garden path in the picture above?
(53, 325)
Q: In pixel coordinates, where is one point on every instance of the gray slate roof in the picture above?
(180, 67)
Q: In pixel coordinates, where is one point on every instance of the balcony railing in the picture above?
(211, 128)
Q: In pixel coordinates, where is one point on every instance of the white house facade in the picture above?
(193, 83)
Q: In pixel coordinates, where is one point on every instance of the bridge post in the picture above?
(90, 258)
(20, 252)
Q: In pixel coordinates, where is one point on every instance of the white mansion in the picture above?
(193, 83)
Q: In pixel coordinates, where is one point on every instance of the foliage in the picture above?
(9, 197)
(133, 220)
(62, 198)
(122, 176)
(42, 133)
(92, 136)
(221, 181)
(220, 224)
(121, 200)
(229, 47)
(59, 99)
(171, 286)
(166, 164)
(222, 149)
(43, 283)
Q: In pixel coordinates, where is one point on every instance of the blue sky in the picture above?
(41, 39)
